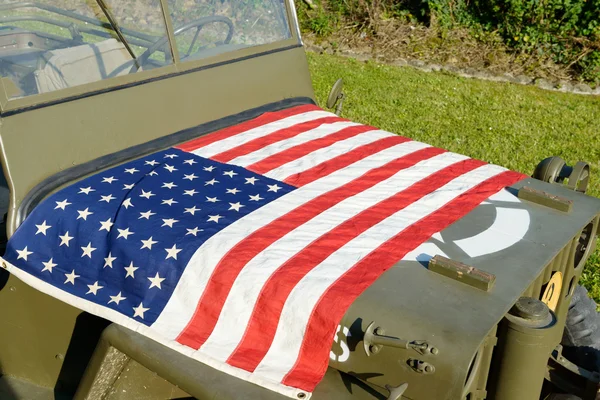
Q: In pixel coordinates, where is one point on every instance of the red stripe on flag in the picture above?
(265, 316)
(244, 126)
(211, 302)
(342, 161)
(293, 153)
(314, 352)
(274, 137)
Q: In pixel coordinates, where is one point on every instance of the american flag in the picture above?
(244, 248)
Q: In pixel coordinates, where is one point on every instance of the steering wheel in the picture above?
(198, 24)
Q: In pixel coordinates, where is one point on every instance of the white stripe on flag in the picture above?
(285, 348)
(183, 302)
(240, 303)
(277, 147)
(326, 153)
(260, 131)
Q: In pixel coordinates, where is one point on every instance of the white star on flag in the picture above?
(146, 214)
(83, 214)
(48, 265)
(87, 250)
(94, 288)
(155, 281)
(124, 233)
(109, 260)
(43, 228)
(23, 254)
(62, 204)
(65, 239)
(71, 277)
(147, 244)
(116, 299)
(139, 311)
(172, 252)
(131, 270)
(86, 190)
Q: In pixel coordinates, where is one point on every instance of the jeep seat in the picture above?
(72, 66)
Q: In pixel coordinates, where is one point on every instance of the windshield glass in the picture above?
(57, 44)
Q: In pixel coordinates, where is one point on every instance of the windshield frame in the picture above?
(9, 106)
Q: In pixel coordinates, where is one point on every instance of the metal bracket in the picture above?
(374, 339)
(396, 392)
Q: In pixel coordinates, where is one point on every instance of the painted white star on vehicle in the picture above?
(172, 252)
(109, 179)
(116, 299)
(107, 198)
(131, 270)
(274, 188)
(214, 218)
(71, 277)
(132, 170)
(65, 239)
(256, 197)
(233, 191)
(252, 180)
(23, 253)
(48, 265)
(147, 194)
(171, 156)
(193, 231)
(230, 174)
(211, 199)
(169, 222)
(83, 214)
(151, 163)
(170, 168)
(191, 210)
(190, 192)
(86, 190)
(190, 162)
(147, 244)
(155, 282)
(190, 177)
(94, 288)
(139, 311)
(62, 204)
(169, 202)
(109, 260)
(43, 228)
(128, 186)
(236, 206)
(87, 250)
(211, 182)
(169, 185)
(146, 214)
(124, 233)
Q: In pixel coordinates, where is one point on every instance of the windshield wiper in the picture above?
(113, 22)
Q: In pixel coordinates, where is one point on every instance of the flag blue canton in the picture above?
(123, 237)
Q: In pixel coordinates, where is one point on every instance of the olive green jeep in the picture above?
(486, 307)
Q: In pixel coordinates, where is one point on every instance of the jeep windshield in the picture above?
(51, 45)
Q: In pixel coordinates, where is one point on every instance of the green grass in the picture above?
(510, 125)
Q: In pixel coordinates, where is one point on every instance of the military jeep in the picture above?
(487, 308)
